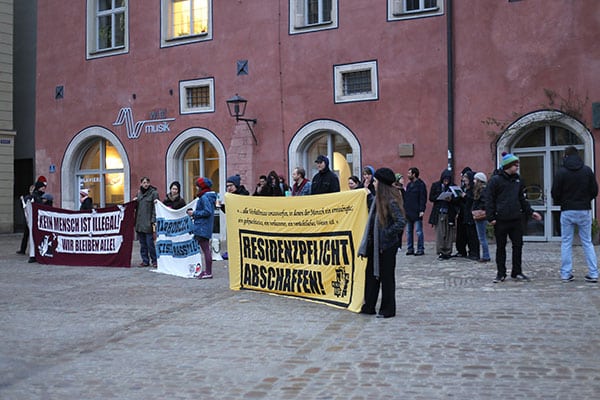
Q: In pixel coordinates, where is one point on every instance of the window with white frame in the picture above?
(107, 27)
(197, 96)
(405, 9)
(313, 15)
(185, 21)
(356, 82)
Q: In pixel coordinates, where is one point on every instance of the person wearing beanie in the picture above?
(145, 219)
(301, 185)
(233, 186)
(173, 199)
(443, 214)
(415, 203)
(380, 243)
(574, 187)
(479, 196)
(203, 216)
(506, 206)
(324, 181)
(86, 201)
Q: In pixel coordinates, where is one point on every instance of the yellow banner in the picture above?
(304, 246)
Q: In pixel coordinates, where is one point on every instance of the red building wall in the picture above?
(505, 55)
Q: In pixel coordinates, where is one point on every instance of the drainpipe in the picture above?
(450, 61)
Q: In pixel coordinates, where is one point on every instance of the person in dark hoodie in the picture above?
(505, 207)
(574, 187)
(203, 217)
(324, 181)
(145, 218)
(443, 214)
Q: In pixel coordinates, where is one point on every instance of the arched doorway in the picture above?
(198, 152)
(538, 139)
(95, 159)
(329, 138)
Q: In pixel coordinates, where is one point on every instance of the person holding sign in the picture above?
(380, 243)
(204, 216)
(444, 196)
(145, 218)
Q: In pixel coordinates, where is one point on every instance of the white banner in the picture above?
(177, 251)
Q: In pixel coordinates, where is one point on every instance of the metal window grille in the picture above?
(357, 82)
(198, 97)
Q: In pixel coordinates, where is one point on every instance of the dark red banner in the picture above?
(101, 237)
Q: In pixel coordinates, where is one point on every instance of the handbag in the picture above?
(478, 215)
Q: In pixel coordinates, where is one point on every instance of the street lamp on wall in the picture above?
(237, 108)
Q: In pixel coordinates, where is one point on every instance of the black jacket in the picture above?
(442, 206)
(415, 199)
(325, 181)
(574, 186)
(506, 199)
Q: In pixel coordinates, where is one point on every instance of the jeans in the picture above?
(410, 243)
(582, 219)
(147, 249)
(482, 235)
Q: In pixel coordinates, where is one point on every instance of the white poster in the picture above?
(177, 251)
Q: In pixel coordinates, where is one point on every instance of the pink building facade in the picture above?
(127, 89)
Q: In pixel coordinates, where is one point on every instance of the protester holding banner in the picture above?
(25, 240)
(145, 218)
(86, 201)
(173, 199)
(380, 243)
(234, 186)
(203, 217)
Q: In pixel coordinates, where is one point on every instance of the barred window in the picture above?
(197, 96)
(357, 82)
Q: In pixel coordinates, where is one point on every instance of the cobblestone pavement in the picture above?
(117, 333)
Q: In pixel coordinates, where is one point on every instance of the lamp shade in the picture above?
(237, 106)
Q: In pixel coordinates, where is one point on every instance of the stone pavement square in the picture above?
(118, 333)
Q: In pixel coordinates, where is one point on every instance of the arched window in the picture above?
(200, 158)
(331, 139)
(101, 171)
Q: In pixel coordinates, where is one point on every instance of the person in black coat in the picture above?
(505, 207)
(324, 181)
(415, 202)
(380, 243)
(86, 201)
(443, 214)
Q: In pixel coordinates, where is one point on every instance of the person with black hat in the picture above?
(505, 207)
(174, 199)
(443, 215)
(380, 243)
(203, 217)
(324, 181)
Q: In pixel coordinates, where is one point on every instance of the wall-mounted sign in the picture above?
(134, 130)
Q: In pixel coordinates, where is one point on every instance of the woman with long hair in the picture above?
(380, 243)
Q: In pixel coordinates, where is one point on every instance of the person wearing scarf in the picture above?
(380, 243)
(203, 217)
